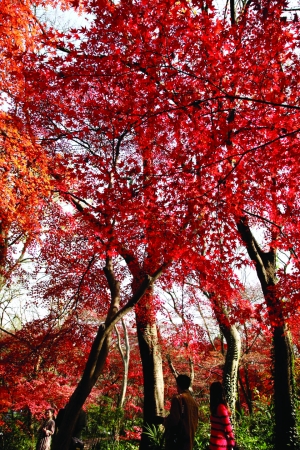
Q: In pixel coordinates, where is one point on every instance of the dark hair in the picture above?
(183, 381)
(217, 396)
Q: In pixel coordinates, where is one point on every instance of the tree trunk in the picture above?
(99, 351)
(246, 390)
(91, 373)
(149, 350)
(231, 366)
(125, 355)
(232, 356)
(286, 436)
(152, 369)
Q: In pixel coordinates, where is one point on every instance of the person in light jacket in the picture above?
(46, 431)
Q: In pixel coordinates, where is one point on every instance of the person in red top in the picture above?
(221, 435)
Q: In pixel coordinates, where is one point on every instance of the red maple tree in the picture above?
(165, 126)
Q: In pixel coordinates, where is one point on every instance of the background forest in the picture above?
(149, 216)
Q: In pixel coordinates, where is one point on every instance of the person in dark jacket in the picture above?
(183, 418)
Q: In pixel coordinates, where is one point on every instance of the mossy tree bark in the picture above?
(286, 436)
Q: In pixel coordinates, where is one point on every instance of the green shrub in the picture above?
(109, 429)
(256, 431)
(15, 434)
(104, 420)
(156, 436)
(251, 432)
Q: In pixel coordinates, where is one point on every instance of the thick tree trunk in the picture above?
(283, 359)
(152, 370)
(149, 350)
(286, 436)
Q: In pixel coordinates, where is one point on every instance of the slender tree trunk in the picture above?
(3, 248)
(172, 367)
(98, 353)
(232, 356)
(125, 355)
(231, 366)
(91, 373)
(232, 12)
(246, 390)
(176, 373)
(286, 436)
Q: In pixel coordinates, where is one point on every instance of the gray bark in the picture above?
(125, 355)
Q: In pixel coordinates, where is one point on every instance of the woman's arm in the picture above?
(49, 428)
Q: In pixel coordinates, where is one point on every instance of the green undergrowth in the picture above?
(110, 429)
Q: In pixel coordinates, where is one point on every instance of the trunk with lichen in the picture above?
(232, 356)
(231, 366)
(286, 436)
